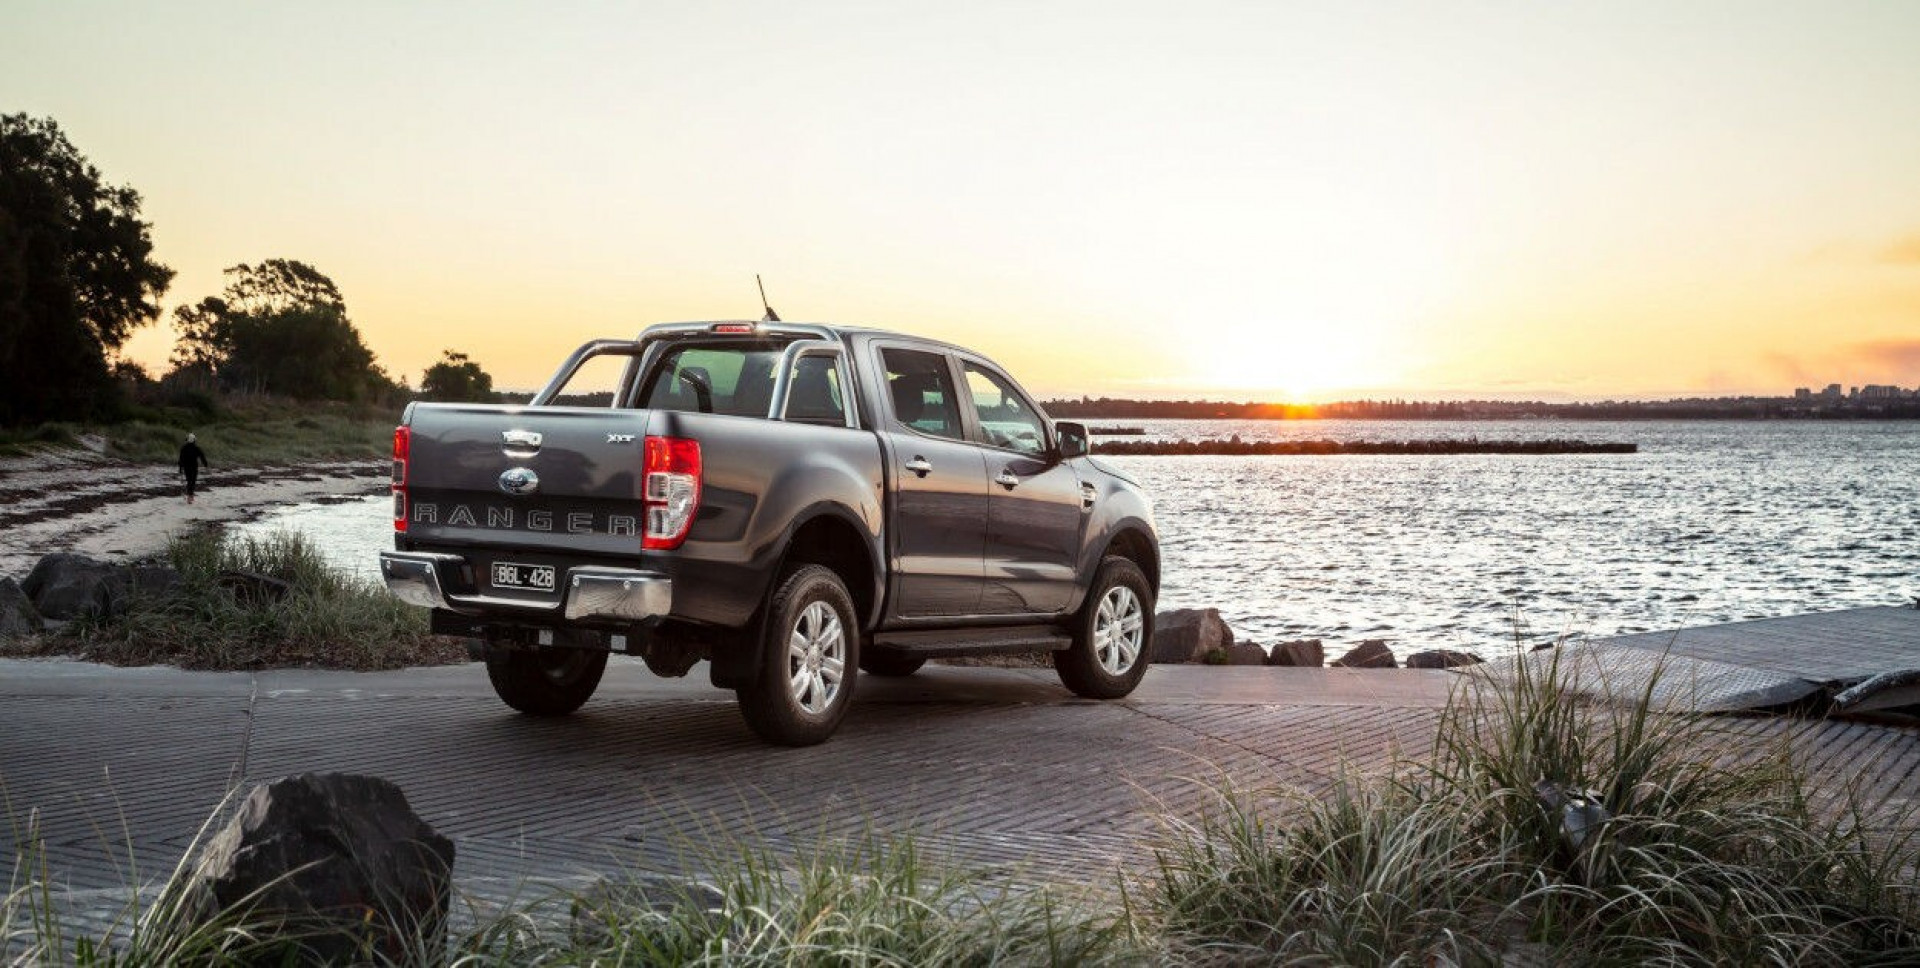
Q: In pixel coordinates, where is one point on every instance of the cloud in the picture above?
(1905, 252)
(1897, 359)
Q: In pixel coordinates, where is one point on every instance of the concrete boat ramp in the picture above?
(107, 774)
(1859, 660)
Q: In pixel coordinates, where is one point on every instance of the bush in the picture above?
(1674, 848)
(329, 618)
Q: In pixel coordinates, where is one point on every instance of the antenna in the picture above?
(771, 316)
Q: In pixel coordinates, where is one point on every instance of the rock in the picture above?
(1238, 654)
(1299, 652)
(1371, 654)
(65, 586)
(18, 617)
(252, 588)
(1189, 634)
(610, 902)
(341, 860)
(140, 581)
(1441, 659)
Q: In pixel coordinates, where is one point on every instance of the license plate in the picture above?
(506, 574)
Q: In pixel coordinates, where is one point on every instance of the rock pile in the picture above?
(1199, 636)
(65, 586)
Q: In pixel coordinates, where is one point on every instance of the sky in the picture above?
(1298, 201)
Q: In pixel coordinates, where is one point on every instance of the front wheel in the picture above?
(1112, 634)
(546, 681)
(809, 660)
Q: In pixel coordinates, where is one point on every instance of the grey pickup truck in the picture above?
(793, 503)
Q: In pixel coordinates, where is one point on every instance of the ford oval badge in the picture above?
(519, 480)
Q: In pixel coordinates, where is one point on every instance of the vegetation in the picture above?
(280, 327)
(1560, 833)
(457, 379)
(1539, 830)
(77, 276)
(244, 432)
(327, 618)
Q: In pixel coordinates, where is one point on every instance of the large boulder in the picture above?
(1239, 654)
(68, 586)
(18, 617)
(1299, 652)
(124, 585)
(1371, 654)
(338, 863)
(1189, 635)
(1441, 659)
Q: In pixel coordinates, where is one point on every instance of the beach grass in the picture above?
(234, 433)
(1544, 827)
(328, 618)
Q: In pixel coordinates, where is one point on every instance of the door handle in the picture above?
(1007, 480)
(919, 465)
(1088, 495)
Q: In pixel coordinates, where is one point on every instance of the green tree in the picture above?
(457, 379)
(279, 327)
(77, 275)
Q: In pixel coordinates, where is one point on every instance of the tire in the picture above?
(546, 682)
(1112, 634)
(809, 635)
(891, 665)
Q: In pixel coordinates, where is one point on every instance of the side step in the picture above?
(945, 643)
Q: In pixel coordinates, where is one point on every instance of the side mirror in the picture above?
(1073, 438)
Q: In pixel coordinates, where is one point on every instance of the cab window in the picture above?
(1006, 419)
(921, 389)
(732, 378)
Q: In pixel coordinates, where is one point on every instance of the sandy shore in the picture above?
(74, 500)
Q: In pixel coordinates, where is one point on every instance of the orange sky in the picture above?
(1264, 200)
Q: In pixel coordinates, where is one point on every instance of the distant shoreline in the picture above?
(1235, 447)
(1754, 409)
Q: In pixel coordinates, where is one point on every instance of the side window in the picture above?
(921, 388)
(1005, 417)
(733, 379)
(813, 393)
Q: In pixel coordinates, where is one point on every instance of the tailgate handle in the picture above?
(519, 440)
(918, 465)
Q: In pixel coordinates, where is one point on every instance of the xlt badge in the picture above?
(620, 438)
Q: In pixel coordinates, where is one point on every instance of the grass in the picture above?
(1691, 852)
(873, 901)
(232, 433)
(329, 618)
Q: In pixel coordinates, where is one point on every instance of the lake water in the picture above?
(1709, 522)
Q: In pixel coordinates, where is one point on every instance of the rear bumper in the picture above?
(593, 592)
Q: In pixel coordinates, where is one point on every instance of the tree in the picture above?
(280, 327)
(77, 275)
(457, 379)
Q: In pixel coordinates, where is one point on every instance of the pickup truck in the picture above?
(793, 503)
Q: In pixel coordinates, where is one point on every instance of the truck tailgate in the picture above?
(556, 478)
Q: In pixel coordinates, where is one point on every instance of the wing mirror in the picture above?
(1073, 439)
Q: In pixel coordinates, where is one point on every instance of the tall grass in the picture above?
(329, 618)
(866, 902)
(1678, 848)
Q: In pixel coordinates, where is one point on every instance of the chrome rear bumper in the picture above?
(592, 592)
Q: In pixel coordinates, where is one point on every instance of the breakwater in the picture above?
(1236, 447)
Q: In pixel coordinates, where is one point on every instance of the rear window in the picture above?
(735, 377)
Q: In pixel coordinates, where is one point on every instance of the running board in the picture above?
(946, 643)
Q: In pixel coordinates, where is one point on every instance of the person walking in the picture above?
(192, 458)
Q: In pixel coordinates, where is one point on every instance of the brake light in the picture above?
(733, 327)
(402, 451)
(671, 494)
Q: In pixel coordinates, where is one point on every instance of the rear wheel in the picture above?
(891, 665)
(546, 681)
(1111, 634)
(809, 655)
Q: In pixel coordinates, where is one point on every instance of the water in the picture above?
(1709, 522)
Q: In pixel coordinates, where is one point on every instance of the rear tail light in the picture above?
(402, 451)
(672, 491)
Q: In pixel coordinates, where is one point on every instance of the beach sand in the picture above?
(75, 500)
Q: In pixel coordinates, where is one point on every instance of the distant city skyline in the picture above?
(1239, 200)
